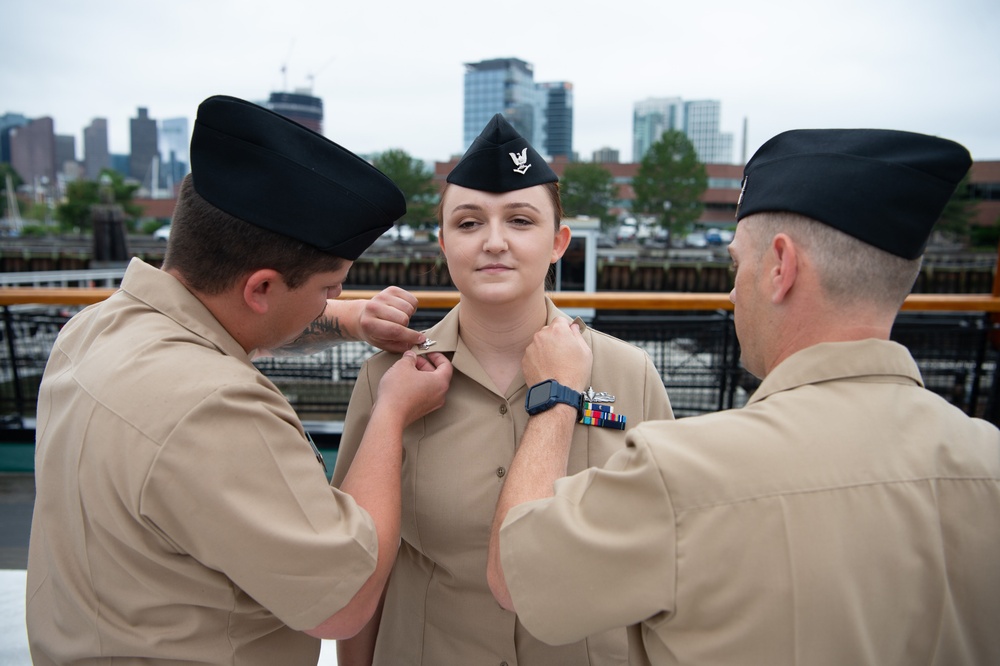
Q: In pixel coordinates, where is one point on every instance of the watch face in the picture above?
(539, 394)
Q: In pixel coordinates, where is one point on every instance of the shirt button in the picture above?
(503, 663)
(503, 409)
(501, 472)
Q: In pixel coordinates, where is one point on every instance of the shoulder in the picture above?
(603, 343)
(378, 363)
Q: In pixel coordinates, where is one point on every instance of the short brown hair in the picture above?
(213, 250)
(849, 270)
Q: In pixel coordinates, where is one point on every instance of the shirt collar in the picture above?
(872, 359)
(162, 292)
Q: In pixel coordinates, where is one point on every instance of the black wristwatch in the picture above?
(547, 394)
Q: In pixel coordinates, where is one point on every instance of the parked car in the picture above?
(719, 236)
(626, 232)
(695, 239)
(163, 233)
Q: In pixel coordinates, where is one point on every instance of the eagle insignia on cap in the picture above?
(519, 161)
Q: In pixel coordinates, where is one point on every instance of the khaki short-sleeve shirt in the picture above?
(180, 511)
(439, 609)
(846, 515)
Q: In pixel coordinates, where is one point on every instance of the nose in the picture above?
(334, 292)
(732, 295)
(496, 241)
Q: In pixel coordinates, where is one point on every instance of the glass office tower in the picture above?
(501, 85)
(698, 120)
(556, 119)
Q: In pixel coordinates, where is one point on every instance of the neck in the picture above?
(841, 326)
(227, 310)
(490, 329)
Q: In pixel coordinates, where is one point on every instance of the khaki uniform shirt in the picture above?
(846, 515)
(439, 609)
(181, 514)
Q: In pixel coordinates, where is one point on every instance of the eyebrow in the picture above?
(510, 206)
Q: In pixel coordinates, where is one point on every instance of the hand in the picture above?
(558, 351)
(415, 385)
(383, 320)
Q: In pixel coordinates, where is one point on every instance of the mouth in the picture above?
(493, 268)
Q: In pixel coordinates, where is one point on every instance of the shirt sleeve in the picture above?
(237, 486)
(599, 554)
(657, 403)
(358, 412)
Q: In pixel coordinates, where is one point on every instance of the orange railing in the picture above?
(609, 300)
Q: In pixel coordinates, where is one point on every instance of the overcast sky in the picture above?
(390, 73)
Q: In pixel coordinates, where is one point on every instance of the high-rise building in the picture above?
(143, 136)
(606, 155)
(9, 121)
(698, 120)
(33, 153)
(702, 127)
(541, 112)
(95, 148)
(556, 112)
(301, 106)
(501, 85)
(174, 142)
(650, 119)
(65, 151)
(120, 162)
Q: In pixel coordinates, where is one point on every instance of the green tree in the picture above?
(74, 211)
(587, 188)
(415, 181)
(670, 182)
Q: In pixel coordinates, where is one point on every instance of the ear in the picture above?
(259, 288)
(785, 267)
(561, 242)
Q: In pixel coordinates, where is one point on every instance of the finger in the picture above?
(397, 335)
(403, 295)
(397, 313)
(397, 298)
(431, 361)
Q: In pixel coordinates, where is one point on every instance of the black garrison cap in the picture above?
(884, 187)
(501, 160)
(272, 172)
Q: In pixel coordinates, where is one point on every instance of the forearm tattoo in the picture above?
(322, 332)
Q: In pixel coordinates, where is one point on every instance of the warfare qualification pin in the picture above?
(591, 396)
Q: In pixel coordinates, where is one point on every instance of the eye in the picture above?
(522, 222)
(467, 224)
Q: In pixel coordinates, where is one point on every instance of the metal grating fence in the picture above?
(696, 353)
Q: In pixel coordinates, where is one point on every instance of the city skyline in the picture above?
(391, 75)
